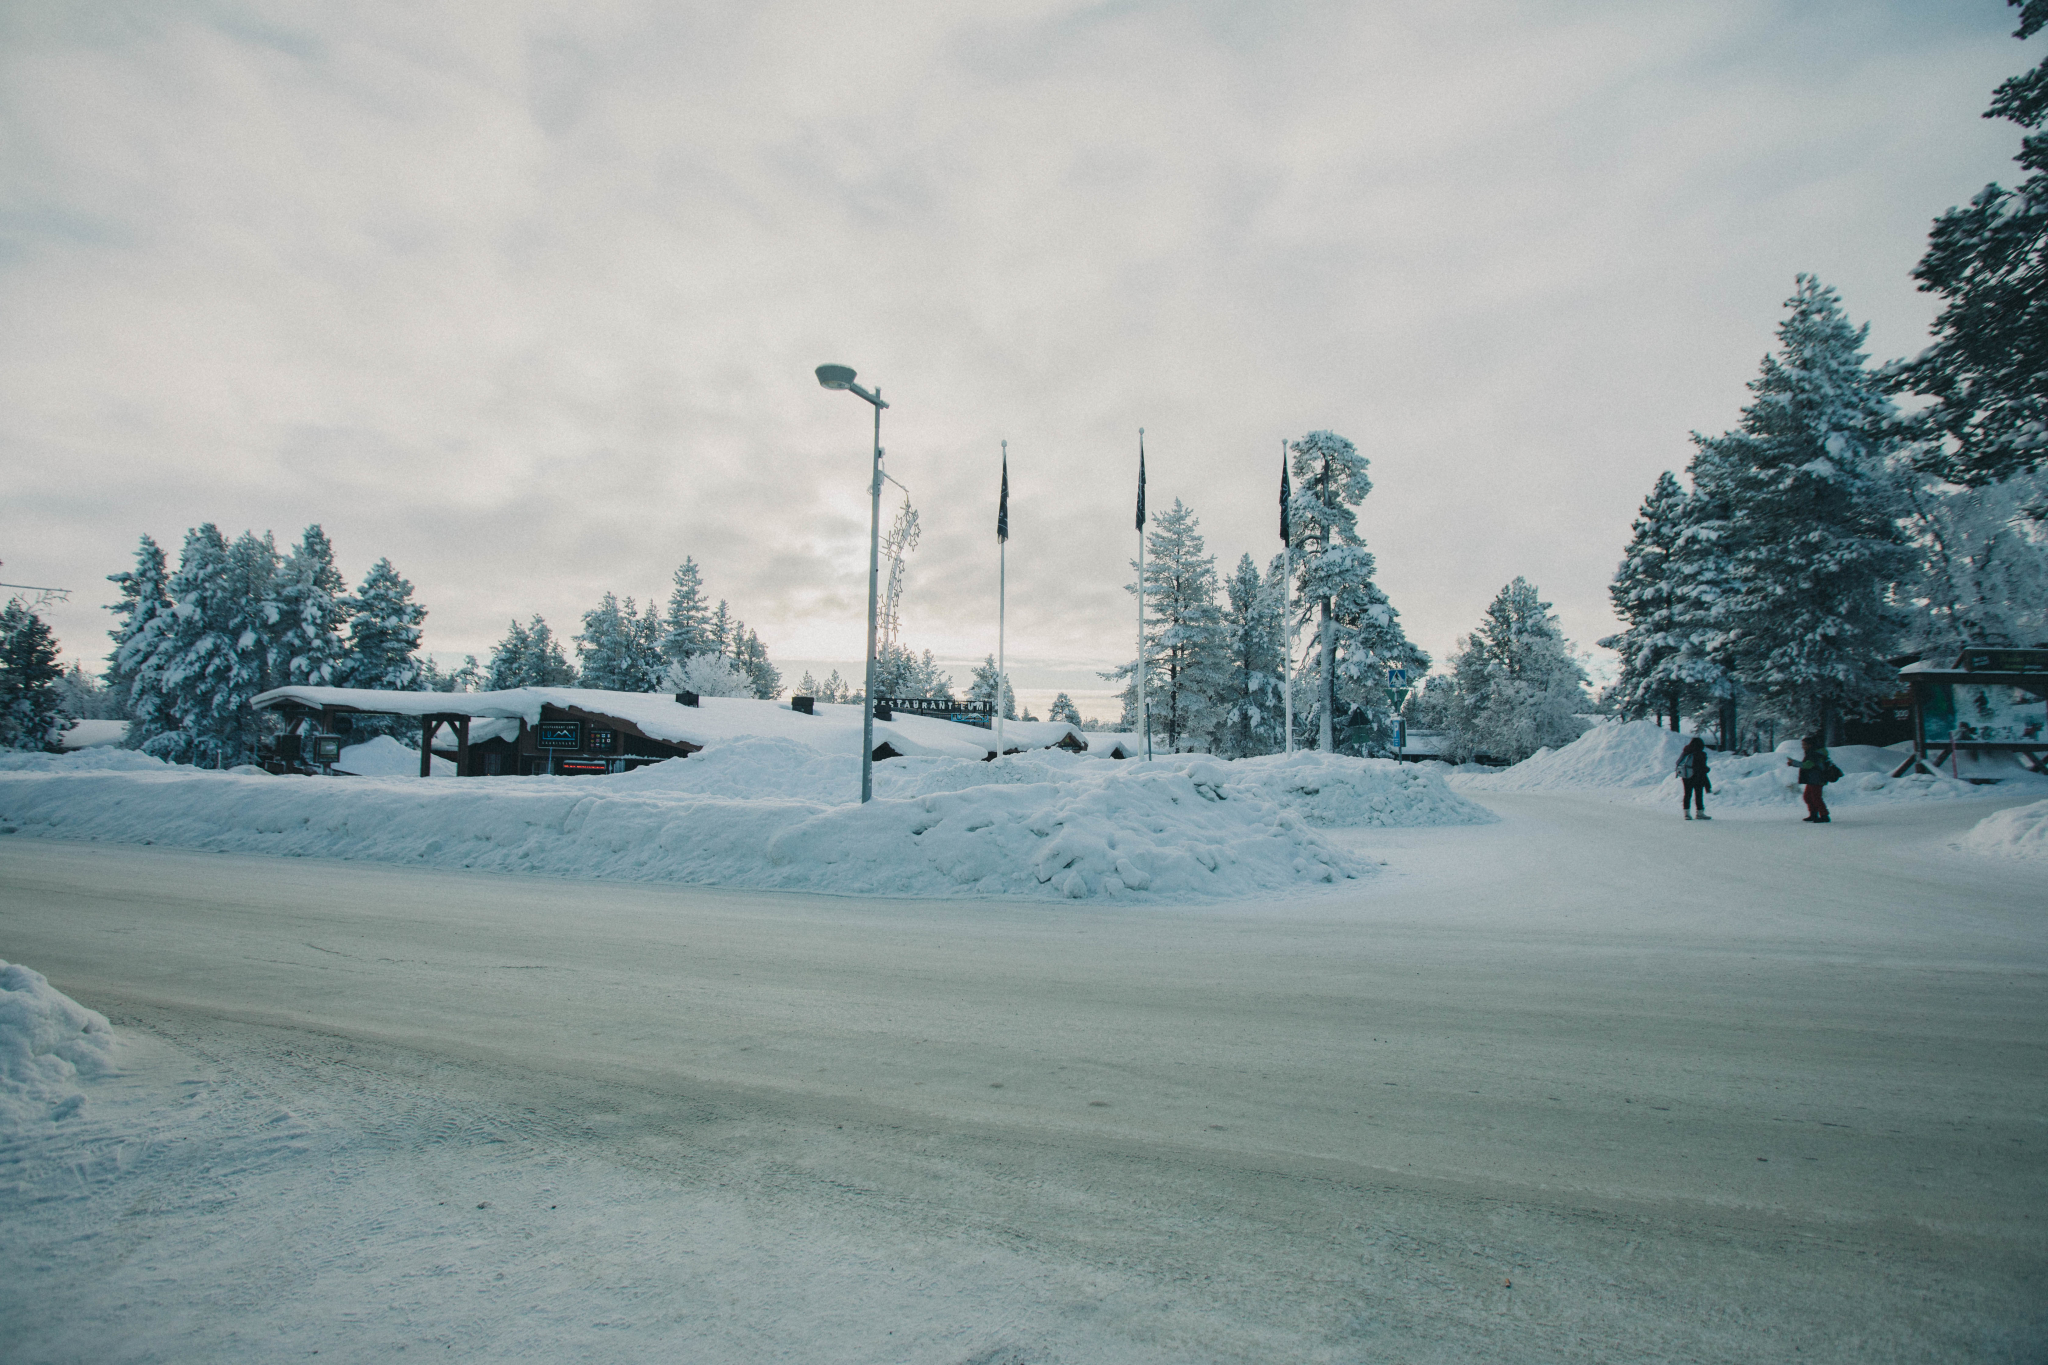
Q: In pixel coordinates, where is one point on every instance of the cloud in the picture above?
(528, 297)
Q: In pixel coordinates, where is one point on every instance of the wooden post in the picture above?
(428, 725)
(462, 748)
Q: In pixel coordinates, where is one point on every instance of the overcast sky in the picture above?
(527, 297)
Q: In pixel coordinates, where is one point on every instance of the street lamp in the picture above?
(841, 377)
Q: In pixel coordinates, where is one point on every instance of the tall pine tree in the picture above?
(1987, 371)
(384, 632)
(31, 705)
(1804, 522)
(687, 630)
(1251, 702)
(1645, 595)
(1358, 633)
(312, 613)
(141, 616)
(1519, 688)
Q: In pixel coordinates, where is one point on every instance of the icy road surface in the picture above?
(1587, 1084)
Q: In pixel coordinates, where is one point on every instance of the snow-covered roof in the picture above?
(1105, 745)
(658, 715)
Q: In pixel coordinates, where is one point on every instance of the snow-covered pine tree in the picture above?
(751, 656)
(1982, 571)
(837, 689)
(986, 683)
(1063, 708)
(193, 669)
(31, 705)
(687, 630)
(86, 697)
(384, 632)
(609, 652)
(1987, 370)
(1251, 703)
(530, 656)
(721, 631)
(1653, 680)
(901, 673)
(141, 616)
(312, 613)
(807, 686)
(1519, 688)
(1184, 636)
(1809, 537)
(1358, 632)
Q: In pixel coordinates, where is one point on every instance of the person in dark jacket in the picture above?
(1692, 771)
(1814, 768)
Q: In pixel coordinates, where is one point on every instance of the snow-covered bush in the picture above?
(708, 675)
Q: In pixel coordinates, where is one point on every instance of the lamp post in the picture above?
(841, 377)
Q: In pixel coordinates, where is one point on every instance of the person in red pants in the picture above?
(1816, 770)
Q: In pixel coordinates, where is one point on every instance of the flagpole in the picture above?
(1002, 602)
(1286, 598)
(1144, 715)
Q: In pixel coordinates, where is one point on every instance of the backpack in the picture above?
(1689, 765)
(1829, 772)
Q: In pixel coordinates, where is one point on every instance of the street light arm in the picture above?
(874, 398)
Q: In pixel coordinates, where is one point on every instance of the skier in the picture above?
(1816, 770)
(1692, 771)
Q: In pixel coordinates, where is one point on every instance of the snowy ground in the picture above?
(1587, 1083)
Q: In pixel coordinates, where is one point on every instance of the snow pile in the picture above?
(1060, 825)
(2021, 832)
(1335, 791)
(93, 760)
(1638, 760)
(386, 757)
(90, 734)
(47, 1041)
(1638, 753)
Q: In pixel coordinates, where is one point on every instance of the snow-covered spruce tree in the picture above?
(708, 675)
(1063, 708)
(141, 616)
(751, 657)
(1987, 371)
(1982, 570)
(1653, 679)
(1184, 635)
(87, 697)
(620, 650)
(1358, 634)
(530, 656)
(900, 673)
(313, 606)
(212, 656)
(986, 682)
(31, 704)
(1251, 706)
(1807, 529)
(1433, 707)
(1519, 686)
(687, 629)
(384, 632)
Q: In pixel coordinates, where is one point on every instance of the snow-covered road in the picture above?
(1586, 1084)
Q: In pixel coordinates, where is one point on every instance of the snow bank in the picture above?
(1637, 761)
(2021, 832)
(1332, 790)
(1634, 754)
(1060, 826)
(90, 734)
(386, 757)
(96, 759)
(47, 1041)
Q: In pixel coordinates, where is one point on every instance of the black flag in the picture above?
(1141, 478)
(1285, 494)
(1003, 507)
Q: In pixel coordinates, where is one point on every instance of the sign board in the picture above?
(1395, 696)
(327, 748)
(602, 741)
(2006, 660)
(979, 713)
(582, 767)
(1397, 677)
(559, 734)
(1981, 713)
